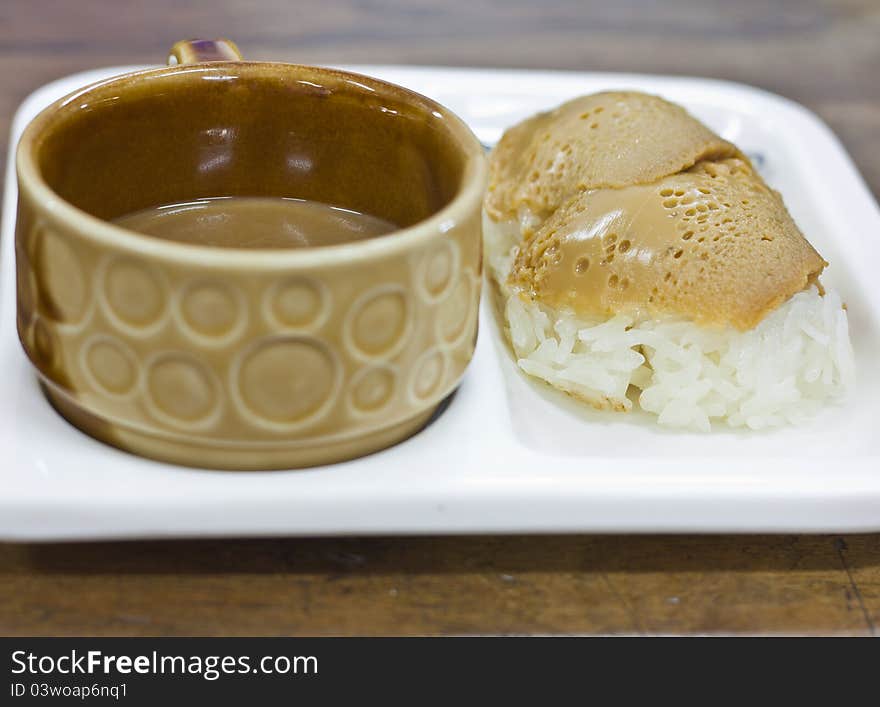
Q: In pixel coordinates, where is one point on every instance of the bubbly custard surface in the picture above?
(714, 244)
(255, 222)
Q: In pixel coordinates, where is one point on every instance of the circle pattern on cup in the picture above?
(133, 293)
(26, 289)
(379, 322)
(181, 389)
(111, 365)
(297, 303)
(428, 373)
(372, 388)
(391, 348)
(45, 347)
(60, 278)
(288, 381)
(439, 269)
(211, 310)
(454, 312)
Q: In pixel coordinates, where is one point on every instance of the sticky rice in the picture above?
(689, 375)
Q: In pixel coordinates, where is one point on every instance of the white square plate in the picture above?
(506, 456)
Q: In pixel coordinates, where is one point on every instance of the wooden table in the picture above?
(825, 54)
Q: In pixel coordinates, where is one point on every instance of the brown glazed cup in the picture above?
(234, 358)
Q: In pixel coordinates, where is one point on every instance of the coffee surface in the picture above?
(255, 222)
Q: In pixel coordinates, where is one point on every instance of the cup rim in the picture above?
(117, 237)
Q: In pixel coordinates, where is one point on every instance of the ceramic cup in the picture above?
(235, 358)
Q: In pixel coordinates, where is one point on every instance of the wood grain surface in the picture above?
(822, 53)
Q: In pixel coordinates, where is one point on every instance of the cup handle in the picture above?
(194, 51)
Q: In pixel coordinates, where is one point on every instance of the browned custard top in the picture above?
(713, 243)
(609, 139)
